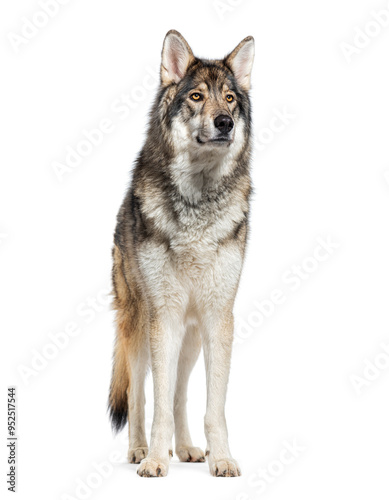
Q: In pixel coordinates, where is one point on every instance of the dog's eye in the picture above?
(229, 98)
(196, 96)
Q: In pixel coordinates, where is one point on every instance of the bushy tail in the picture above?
(120, 383)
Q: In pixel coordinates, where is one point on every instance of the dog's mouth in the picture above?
(217, 140)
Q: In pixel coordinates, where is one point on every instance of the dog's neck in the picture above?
(196, 169)
(194, 173)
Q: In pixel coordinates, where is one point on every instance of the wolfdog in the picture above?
(178, 251)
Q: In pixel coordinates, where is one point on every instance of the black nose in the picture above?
(224, 123)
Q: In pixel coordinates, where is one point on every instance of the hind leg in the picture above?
(131, 358)
(190, 350)
(138, 448)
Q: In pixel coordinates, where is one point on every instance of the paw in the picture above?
(190, 454)
(136, 455)
(149, 467)
(224, 467)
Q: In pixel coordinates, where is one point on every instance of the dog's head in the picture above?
(206, 103)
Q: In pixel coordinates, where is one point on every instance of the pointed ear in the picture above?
(241, 61)
(176, 57)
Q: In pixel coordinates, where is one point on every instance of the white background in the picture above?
(324, 175)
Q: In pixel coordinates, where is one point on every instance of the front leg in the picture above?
(218, 337)
(165, 343)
